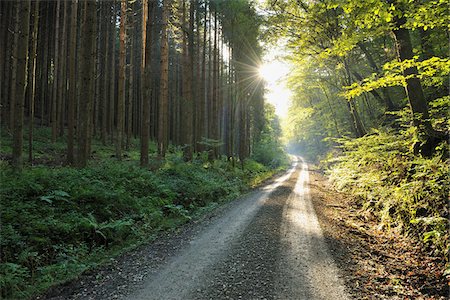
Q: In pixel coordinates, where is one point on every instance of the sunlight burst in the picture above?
(273, 72)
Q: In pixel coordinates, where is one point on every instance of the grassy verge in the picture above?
(57, 221)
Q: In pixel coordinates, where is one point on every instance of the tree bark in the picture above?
(121, 89)
(203, 85)
(45, 67)
(147, 79)
(164, 88)
(62, 81)
(32, 80)
(7, 15)
(13, 84)
(72, 99)
(129, 123)
(21, 55)
(198, 83)
(215, 89)
(112, 92)
(187, 133)
(87, 65)
(55, 100)
(106, 77)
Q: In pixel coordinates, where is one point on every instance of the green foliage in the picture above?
(58, 222)
(401, 190)
(269, 153)
(434, 72)
(268, 150)
(14, 278)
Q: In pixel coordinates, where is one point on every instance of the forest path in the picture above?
(265, 245)
(268, 246)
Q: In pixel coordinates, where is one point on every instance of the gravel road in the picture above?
(267, 246)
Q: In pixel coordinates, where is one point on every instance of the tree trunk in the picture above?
(87, 65)
(210, 77)
(121, 90)
(106, 77)
(45, 67)
(62, 81)
(198, 83)
(147, 79)
(187, 134)
(21, 55)
(55, 100)
(130, 85)
(13, 84)
(112, 92)
(72, 99)
(203, 85)
(32, 80)
(7, 16)
(215, 88)
(164, 88)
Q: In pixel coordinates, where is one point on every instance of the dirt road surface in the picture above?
(269, 246)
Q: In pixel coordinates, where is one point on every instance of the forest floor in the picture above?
(237, 251)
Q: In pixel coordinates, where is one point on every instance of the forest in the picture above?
(122, 119)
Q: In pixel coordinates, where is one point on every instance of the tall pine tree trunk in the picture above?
(72, 99)
(106, 77)
(163, 113)
(146, 93)
(129, 124)
(13, 84)
(215, 89)
(45, 64)
(203, 84)
(87, 66)
(122, 72)
(21, 55)
(62, 81)
(55, 100)
(32, 80)
(112, 92)
(187, 119)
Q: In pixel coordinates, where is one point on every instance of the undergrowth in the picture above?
(57, 221)
(402, 191)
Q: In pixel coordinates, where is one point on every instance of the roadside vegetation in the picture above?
(403, 192)
(58, 221)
